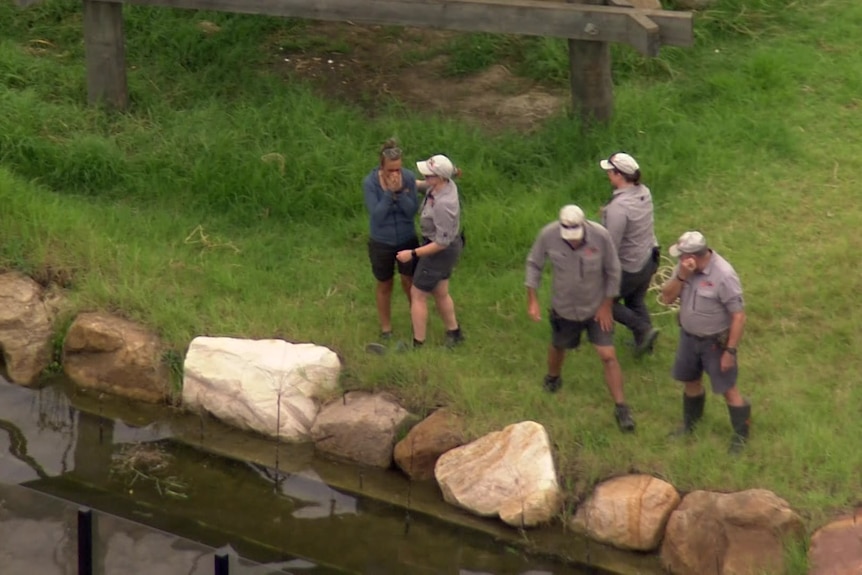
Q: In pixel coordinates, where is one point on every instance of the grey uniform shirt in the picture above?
(708, 298)
(440, 219)
(628, 217)
(583, 277)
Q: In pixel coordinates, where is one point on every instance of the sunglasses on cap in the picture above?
(611, 160)
(391, 153)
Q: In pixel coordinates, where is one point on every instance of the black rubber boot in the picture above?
(692, 412)
(740, 419)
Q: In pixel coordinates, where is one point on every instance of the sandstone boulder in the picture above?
(628, 512)
(26, 327)
(117, 356)
(729, 533)
(269, 386)
(836, 548)
(508, 473)
(418, 452)
(360, 427)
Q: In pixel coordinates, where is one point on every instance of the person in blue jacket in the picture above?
(392, 203)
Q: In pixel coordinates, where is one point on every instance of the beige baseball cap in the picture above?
(438, 165)
(572, 222)
(688, 243)
(620, 162)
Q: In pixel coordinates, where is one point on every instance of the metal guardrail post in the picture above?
(85, 541)
(222, 564)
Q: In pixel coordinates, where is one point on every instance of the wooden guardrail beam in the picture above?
(527, 17)
(589, 25)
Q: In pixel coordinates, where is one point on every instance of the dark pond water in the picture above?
(214, 485)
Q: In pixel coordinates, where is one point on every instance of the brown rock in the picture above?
(629, 512)
(114, 355)
(417, 453)
(836, 548)
(360, 427)
(729, 534)
(26, 327)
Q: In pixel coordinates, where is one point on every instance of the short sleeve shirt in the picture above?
(709, 298)
(440, 220)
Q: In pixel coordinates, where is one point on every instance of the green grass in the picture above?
(175, 215)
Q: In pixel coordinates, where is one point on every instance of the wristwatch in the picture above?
(413, 253)
(730, 350)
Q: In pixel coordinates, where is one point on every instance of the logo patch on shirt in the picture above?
(588, 251)
(706, 284)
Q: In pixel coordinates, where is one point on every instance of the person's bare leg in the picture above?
(445, 305)
(693, 388)
(406, 284)
(613, 372)
(733, 397)
(384, 305)
(419, 313)
(556, 355)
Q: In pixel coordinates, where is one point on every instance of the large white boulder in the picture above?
(269, 386)
(508, 473)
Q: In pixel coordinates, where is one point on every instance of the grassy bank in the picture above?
(180, 215)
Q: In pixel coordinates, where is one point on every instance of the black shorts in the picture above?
(383, 262)
(433, 269)
(566, 333)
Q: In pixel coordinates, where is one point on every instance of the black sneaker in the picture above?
(624, 418)
(454, 337)
(386, 336)
(646, 344)
(552, 383)
(375, 348)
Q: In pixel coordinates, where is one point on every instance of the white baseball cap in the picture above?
(622, 163)
(572, 222)
(438, 165)
(688, 243)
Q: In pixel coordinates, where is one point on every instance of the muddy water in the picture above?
(201, 480)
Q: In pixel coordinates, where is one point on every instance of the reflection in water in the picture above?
(38, 428)
(38, 537)
(29, 546)
(227, 501)
(307, 487)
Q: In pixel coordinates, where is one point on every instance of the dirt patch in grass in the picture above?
(378, 66)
